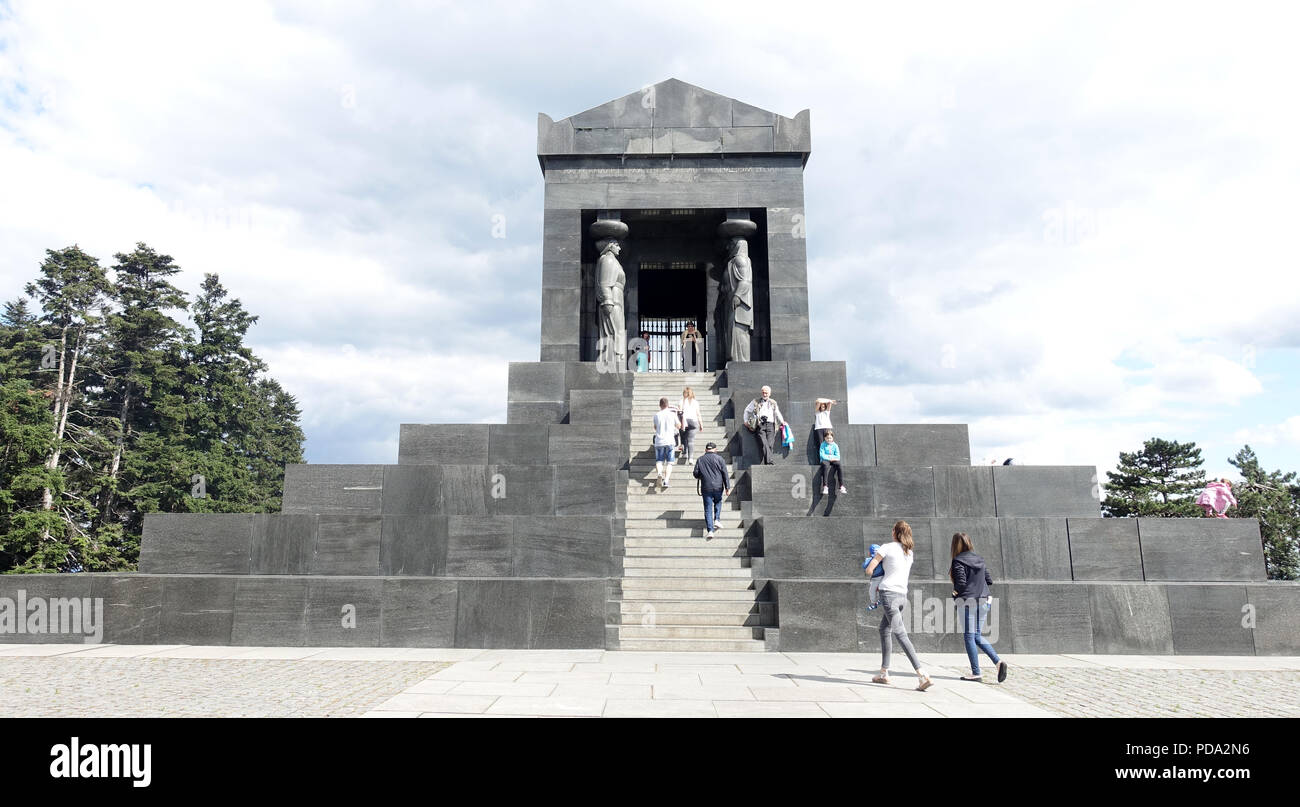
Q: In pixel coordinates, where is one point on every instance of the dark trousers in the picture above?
(831, 468)
(821, 436)
(765, 433)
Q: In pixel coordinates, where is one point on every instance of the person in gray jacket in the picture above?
(970, 585)
(711, 470)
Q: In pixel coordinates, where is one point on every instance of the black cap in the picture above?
(710, 446)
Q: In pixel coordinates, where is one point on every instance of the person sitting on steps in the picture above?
(830, 454)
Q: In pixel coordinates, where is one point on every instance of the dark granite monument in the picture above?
(674, 204)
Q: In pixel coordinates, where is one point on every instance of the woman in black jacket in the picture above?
(970, 583)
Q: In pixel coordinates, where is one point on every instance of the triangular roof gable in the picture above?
(673, 117)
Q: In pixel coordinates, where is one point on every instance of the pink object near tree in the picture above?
(1216, 499)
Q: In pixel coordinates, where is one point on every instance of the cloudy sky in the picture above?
(1071, 227)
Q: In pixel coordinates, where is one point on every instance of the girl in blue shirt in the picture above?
(830, 454)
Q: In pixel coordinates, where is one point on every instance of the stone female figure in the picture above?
(610, 283)
(740, 275)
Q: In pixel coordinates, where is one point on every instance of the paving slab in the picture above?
(846, 709)
(654, 708)
(500, 689)
(549, 707)
(619, 692)
(700, 692)
(434, 702)
(729, 708)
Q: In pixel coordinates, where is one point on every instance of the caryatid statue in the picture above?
(739, 280)
(610, 284)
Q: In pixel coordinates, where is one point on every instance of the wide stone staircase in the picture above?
(681, 591)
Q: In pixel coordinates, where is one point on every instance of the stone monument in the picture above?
(541, 531)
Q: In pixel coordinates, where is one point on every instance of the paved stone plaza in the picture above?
(185, 681)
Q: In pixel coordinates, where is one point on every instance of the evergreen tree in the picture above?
(143, 354)
(1274, 499)
(109, 407)
(1162, 481)
(32, 535)
(20, 343)
(71, 292)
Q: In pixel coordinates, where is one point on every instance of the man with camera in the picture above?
(762, 417)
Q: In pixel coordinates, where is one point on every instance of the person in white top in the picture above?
(822, 418)
(689, 411)
(897, 557)
(666, 429)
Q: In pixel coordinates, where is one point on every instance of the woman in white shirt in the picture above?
(689, 410)
(897, 557)
(822, 418)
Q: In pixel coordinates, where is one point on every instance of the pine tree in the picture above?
(71, 292)
(1160, 481)
(1274, 499)
(20, 343)
(109, 407)
(143, 353)
(31, 536)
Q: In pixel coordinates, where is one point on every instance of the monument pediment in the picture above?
(673, 117)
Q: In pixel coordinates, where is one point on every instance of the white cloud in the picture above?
(1049, 222)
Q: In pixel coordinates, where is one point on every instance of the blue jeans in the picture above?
(663, 453)
(973, 625)
(712, 508)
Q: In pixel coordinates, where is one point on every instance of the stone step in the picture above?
(731, 553)
(723, 566)
(692, 646)
(682, 537)
(669, 609)
(639, 487)
(672, 509)
(692, 521)
(687, 532)
(658, 631)
(659, 618)
(689, 536)
(679, 583)
(642, 466)
(679, 595)
(646, 491)
(697, 571)
(673, 496)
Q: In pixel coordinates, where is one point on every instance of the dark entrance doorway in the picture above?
(670, 298)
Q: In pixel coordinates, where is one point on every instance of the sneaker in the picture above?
(880, 679)
(843, 489)
(1002, 671)
(825, 490)
(973, 677)
(665, 484)
(708, 536)
(924, 683)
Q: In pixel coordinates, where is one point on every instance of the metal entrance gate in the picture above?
(666, 343)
